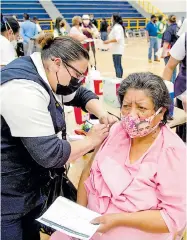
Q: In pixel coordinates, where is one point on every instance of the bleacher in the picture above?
(70, 8)
(19, 7)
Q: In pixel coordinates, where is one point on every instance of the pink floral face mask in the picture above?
(136, 127)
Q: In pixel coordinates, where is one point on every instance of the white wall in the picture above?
(170, 6)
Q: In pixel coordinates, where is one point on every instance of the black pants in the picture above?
(25, 228)
(181, 130)
(117, 65)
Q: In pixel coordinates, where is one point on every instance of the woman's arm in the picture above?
(110, 41)
(169, 68)
(177, 54)
(147, 221)
(90, 30)
(82, 194)
(79, 37)
(165, 52)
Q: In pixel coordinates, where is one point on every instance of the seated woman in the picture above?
(137, 179)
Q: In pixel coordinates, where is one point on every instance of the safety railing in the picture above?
(149, 7)
(47, 25)
(129, 23)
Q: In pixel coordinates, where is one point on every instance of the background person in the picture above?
(116, 38)
(59, 29)
(36, 21)
(178, 56)
(161, 29)
(168, 40)
(103, 29)
(91, 32)
(76, 30)
(151, 32)
(93, 20)
(28, 32)
(8, 38)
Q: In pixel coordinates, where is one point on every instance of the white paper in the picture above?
(70, 218)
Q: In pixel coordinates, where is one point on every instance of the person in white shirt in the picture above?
(117, 40)
(8, 38)
(59, 29)
(35, 20)
(183, 28)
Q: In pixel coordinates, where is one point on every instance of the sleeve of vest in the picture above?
(49, 152)
(80, 98)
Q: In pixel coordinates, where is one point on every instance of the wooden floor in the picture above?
(135, 59)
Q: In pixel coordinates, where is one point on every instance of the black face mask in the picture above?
(67, 90)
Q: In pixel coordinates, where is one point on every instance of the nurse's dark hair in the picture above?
(153, 86)
(66, 48)
(8, 23)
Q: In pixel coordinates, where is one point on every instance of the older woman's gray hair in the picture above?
(153, 86)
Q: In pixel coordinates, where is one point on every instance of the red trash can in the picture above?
(98, 86)
(80, 115)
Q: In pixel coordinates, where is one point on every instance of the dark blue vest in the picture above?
(22, 179)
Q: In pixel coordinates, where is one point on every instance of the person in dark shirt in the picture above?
(169, 39)
(103, 29)
(93, 20)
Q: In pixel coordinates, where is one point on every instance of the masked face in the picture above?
(13, 38)
(75, 81)
(71, 88)
(86, 22)
(62, 24)
(14, 43)
(138, 113)
(136, 127)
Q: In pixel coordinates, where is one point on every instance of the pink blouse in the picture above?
(154, 182)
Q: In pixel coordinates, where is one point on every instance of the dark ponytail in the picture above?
(8, 23)
(118, 19)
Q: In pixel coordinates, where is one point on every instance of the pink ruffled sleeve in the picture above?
(171, 188)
